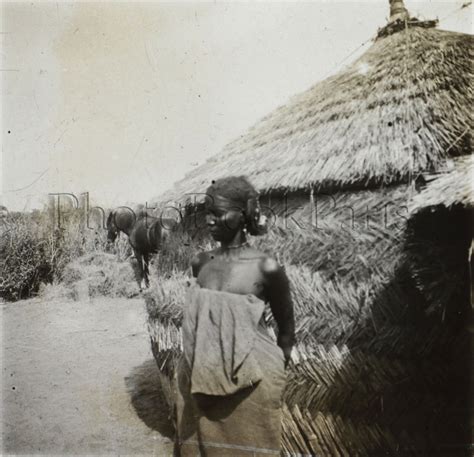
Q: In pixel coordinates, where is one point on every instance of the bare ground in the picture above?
(78, 378)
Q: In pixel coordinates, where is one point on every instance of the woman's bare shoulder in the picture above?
(268, 265)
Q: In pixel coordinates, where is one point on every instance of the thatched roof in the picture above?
(401, 108)
(451, 187)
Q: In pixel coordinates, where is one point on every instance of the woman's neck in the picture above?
(239, 240)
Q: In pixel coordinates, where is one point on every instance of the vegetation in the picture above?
(35, 250)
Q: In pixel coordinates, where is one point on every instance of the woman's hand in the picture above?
(287, 354)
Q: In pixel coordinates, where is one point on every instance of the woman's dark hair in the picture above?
(240, 192)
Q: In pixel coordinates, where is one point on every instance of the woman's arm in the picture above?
(277, 292)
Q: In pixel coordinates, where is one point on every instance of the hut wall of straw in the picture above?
(380, 367)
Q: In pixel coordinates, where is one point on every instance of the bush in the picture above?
(25, 261)
(34, 251)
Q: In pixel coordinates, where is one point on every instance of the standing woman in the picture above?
(231, 378)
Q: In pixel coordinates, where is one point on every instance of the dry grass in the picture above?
(100, 274)
(121, 248)
(164, 303)
(321, 434)
(176, 255)
(55, 291)
(352, 255)
(165, 298)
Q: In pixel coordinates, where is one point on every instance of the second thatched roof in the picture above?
(454, 186)
(401, 108)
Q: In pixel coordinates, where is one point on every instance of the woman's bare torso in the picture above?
(240, 272)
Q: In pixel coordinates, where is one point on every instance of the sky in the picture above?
(121, 99)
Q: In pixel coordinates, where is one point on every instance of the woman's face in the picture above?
(223, 218)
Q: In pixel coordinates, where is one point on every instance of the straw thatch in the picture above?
(453, 186)
(323, 435)
(400, 109)
(347, 235)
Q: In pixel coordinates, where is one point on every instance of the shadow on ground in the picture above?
(149, 399)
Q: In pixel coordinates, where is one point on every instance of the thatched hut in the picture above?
(380, 365)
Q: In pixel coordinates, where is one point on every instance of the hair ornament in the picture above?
(260, 220)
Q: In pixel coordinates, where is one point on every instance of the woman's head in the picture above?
(232, 205)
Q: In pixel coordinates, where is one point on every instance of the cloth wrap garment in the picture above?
(230, 380)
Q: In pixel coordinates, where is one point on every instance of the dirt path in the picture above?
(78, 378)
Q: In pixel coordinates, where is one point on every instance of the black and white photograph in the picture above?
(233, 229)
